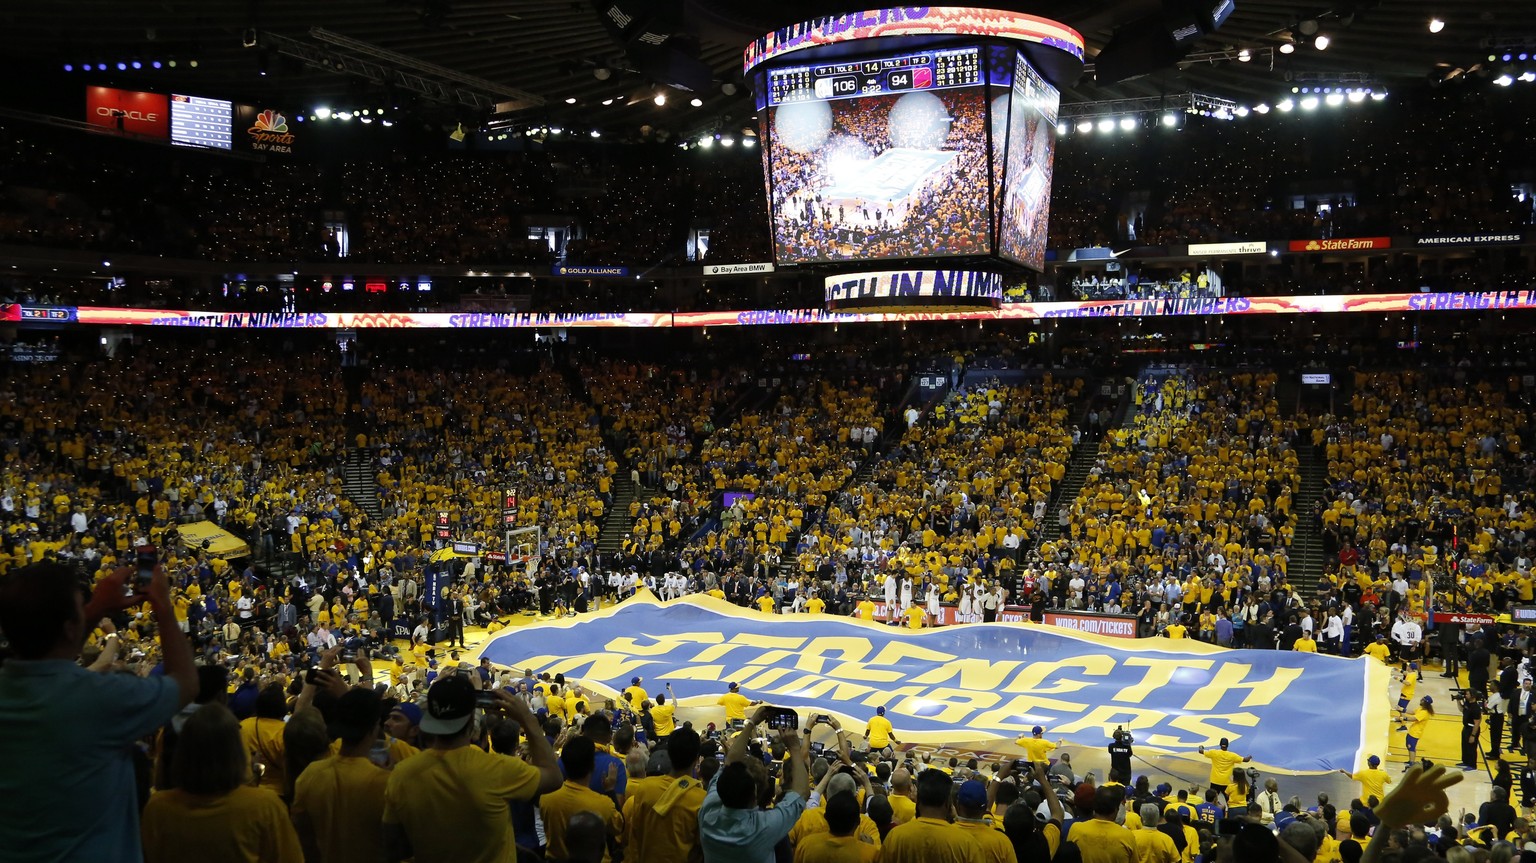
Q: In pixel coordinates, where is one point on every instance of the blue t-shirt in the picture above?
(67, 750)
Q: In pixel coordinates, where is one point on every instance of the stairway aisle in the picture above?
(610, 539)
(1078, 466)
(1306, 568)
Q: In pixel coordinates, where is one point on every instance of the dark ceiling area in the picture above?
(557, 62)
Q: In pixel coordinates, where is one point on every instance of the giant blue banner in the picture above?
(976, 682)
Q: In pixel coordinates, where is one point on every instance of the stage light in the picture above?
(155, 65)
(1061, 129)
(570, 100)
(706, 142)
(1261, 108)
(749, 142)
(137, 65)
(607, 101)
(347, 115)
(696, 102)
(1106, 125)
(1170, 119)
(1127, 124)
(171, 63)
(1357, 96)
(1309, 103)
(1436, 25)
(728, 88)
(1297, 90)
(69, 67)
(596, 134)
(192, 63)
(366, 119)
(727, 141)
(1334, 100)
(364, 112)
(660, 99)
(1504, 80)
(1527, 76)
(1242, 110)
(1244, 56)
(1321, 42)
(323, 113)
(387, 123)
(1085, 127)
(1285, 105)
(1287, 48)
(1378, 95)
(1508, 57)
(602, 73)
(122, 67)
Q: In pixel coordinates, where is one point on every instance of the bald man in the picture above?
(903, 797)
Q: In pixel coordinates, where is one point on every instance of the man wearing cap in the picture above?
(1222, 763)
(735, 704)
(338, 802)
(403, 723)
(1037, 746)
(971, 807)
(449, 803)
(661, 813)
(635, 693)
(1373, 780)
(879, 734)
(930, 838)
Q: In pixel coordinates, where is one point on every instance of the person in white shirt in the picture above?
(1406, 636)
(1333, 633)
(246, 607)
(965, 607)
(906, 594)
(933, 601)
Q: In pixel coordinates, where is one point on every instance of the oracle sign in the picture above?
(140, 113)
(1346, 244)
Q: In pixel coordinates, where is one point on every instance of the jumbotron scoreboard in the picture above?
(927, 70)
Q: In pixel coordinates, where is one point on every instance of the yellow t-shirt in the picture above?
(340, 802)
(1175, 630)
(879, 732)
(735, 705)
(1222, 762)
(264, 741)
(1306, 645)
(661, 714)
(1103, 841)
(866, 610)
(765, 603)
(1039, 748)
(814, 821)
(903, 808)
(1378, 650)
(1373, 782)
(994, 844)
(1419, 724)
(915, 616)
(247, 824)
(635, 695)
(661, 818)
(558, 806)
(929, 840)
(826, 848)
(816, 606)
(452, 803)
(1155, 846)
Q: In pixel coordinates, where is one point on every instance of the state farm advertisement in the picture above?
(1344, 244)
(131, 112)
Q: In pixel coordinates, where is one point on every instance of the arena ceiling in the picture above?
(554, 51)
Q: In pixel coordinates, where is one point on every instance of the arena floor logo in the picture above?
(978, 681)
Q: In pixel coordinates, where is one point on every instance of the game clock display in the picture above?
(925, 71)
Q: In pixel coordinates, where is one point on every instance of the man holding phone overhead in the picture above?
(732, 827)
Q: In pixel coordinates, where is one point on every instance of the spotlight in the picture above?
(1504, 80)
(1242, 110)
(1085, 127)
(1321, 42)
(602, 73)
(1285, 105)
(696, 102)
(1298, 90)
(727, 141)
(366, 119)
(388, 123)
(706, 142)
(1287, 48)
(122, 67)
(155, 65)
(1244, 56)
(137, 65)
(660, 98)
(1334, 100)
(192, 63)
(1523, 57)
(1527, 76)
(1061, 128)
(1436, 25)
(1309, 103)
(749, 142)
(171, 63)
(343, 115)
(323, 113)
(596, 134)
(1378, 95)
(68, 67)
(364, 112)
(299, 118)
(728, 88)
(1508, 57)
(1356, 96)
(1127, 124)
(1106, 125)
(1170, 119)
(1261, 108)
(570, 100)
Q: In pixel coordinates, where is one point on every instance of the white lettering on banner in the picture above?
(736, 269)
(1469, 240)
(1250, 248)
(900, 284)
(104, 111)
(1119, 627)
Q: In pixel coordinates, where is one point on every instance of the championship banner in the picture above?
(975, 682)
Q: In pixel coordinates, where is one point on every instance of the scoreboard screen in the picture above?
(201, 122)
(928, 70)
(879, 158)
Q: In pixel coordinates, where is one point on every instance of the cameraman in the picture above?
(733, 825)
(1120, 755)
